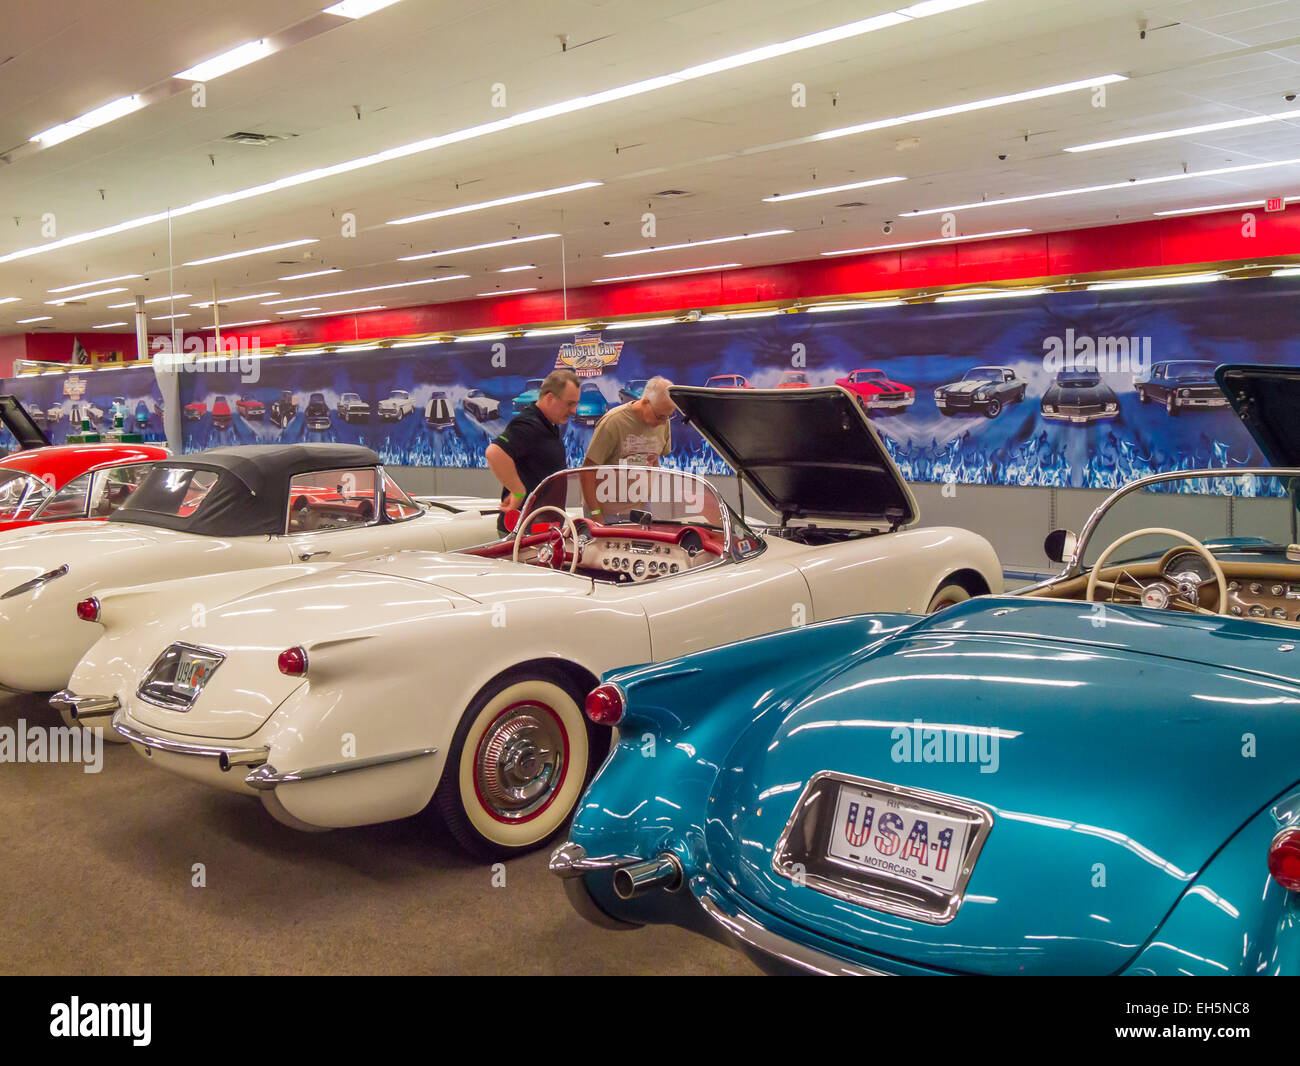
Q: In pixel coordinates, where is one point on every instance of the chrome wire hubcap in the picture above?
(520, 762)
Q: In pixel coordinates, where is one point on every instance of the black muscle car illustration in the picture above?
(1180, 384)
(1079, 395)
(986, 389)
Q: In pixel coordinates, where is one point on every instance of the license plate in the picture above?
(916, 841)
(192, 672)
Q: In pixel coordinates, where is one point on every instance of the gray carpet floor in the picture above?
(96, 875)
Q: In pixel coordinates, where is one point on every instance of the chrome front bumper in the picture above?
(731, 923)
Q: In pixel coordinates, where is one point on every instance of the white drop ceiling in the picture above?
(422, 68)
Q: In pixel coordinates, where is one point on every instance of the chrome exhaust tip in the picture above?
(81, 708)
(227, 760)
(664, 872)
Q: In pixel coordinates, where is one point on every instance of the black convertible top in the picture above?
(251, 495)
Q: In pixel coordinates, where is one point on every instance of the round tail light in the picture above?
(606, 704)
(1284, 859)
(293, 662)
(88, 610)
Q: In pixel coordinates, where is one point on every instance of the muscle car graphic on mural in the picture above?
(986, 389)
(1079, 395)
(1184, 384)
(896, 794)
(876, 391)
(608, 566)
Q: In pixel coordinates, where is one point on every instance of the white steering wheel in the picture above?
(1095, 582)
(568, 529)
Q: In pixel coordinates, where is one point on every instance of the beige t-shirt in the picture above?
(623, 439)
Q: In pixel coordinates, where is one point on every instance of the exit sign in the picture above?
(1275, 203)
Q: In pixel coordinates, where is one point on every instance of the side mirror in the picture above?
(1060, 545)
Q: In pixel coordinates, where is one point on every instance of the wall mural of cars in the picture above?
(1182, 385)
(986, 389)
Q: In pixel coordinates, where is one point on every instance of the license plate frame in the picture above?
(803, 854)
(162, 685)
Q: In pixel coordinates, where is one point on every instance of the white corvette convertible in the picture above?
(228, 509)
(343, 696)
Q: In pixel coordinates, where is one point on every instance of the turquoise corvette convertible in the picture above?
(1098, 775)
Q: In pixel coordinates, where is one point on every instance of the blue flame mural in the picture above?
(1116, 336)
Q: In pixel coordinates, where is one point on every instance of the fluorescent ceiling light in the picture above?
(511, 270)
(155, 300)
(251, 251)
(779, 197)
(247, 53)
(233, 325)
(918, 244)
(1151, 283)
(298, 311)
(346, 311)
(369, 288)
(934, 7)
(1221, 207)
(9, 299)
(666, 273)
(998, 294)
(484, 205)
(553, 331)
(108, 325)
(523, 118)
(698, 244)
(478, 247)
(50, 318)
(1103, 188)
(1186, 131)
(240, 299)
(640, 323)
(483, 337)
(1285, 272)
(85, 296)
(88, 284)
(506, 292)
(766, 313)
(313, 274)
(973, 105)
(101, 115)
(165, 318)
(852, 305)
(358, 9)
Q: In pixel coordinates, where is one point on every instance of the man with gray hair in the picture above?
(635, 433)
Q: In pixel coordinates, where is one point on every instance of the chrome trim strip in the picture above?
(37, 582)
(80, 707)
(570, 860)
(750, 936)
(178, 747)
(266, 777)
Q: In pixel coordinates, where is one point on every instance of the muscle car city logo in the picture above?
(587, 355)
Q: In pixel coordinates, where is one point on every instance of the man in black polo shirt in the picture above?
(532, 447)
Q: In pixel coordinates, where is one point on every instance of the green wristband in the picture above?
(517, 495)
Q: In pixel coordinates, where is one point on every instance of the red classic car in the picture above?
(44, 483)
(195, 411)
(794, 379)
(220, 413)
(250, 409)
(728, 381)
(875, 390)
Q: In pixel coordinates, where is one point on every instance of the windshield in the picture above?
(21, 495)
(868, 375)
(1190, 370)
(1233, 513)
(983, 373)
(1079, 383)
(636, 496)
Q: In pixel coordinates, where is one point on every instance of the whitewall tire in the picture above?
(947, 596)
(517, 765)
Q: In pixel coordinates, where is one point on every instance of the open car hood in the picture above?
(20, 424)
(808, 453)
(1266, 399)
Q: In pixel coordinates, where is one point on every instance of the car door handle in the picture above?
(306, 557)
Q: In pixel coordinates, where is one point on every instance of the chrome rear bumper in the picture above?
(731, 923)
